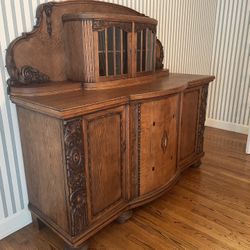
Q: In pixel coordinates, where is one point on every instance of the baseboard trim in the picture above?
(234, 127)
(14, 222)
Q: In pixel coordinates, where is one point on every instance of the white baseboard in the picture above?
(15, 222)
(242, 129)
(248, 143)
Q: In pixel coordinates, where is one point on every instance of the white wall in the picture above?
(199, 36)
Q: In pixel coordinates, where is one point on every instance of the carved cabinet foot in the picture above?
(124, 217)
(196, 165)
(37, 223)
(83, 247)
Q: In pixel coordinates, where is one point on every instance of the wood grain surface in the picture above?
(207, 209)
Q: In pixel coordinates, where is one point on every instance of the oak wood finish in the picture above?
(96, 146)
(207, 209)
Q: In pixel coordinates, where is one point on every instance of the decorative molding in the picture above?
(143, 26)
(138, 148)
(164, 141)
(76, 179)
(159, 55)
(98, 25)
(202, 118)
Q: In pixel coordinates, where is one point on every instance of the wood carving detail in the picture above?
(138, 148)
(98, 25)
(143, 26)
(48, 12)
(159, 55)
(76, 179)
(202, 118)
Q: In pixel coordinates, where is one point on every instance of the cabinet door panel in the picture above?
(158, 143)
(105, 142)
(189, 123)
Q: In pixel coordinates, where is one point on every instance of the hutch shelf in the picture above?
(104, 128)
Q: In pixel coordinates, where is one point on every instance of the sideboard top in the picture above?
(80, 101)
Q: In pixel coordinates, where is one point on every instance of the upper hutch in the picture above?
(104, 128)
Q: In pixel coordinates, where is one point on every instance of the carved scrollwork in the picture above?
(47, 9)
(48, 12)
(98, 25)
(202, 118)
(28, 74)
(159, 55)
(143, 26)
(76, 179)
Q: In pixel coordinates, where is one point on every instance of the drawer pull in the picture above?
(164, 141)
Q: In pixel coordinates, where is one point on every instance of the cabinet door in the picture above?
(192, 124)
(105, 143)
(158, 143)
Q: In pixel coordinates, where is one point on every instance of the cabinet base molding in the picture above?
(124, 216)
(85, 246)
(196, 165)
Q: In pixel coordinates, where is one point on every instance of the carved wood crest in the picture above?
(76, 179)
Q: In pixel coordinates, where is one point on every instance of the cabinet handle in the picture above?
(164, 141)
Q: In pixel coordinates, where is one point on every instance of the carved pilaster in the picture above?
(202, 118)
(76, 179)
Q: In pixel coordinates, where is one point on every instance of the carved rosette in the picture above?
(98, 25)
(76, 179)
(202, 118)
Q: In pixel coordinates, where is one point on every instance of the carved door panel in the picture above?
(105, 161)
(158, 143)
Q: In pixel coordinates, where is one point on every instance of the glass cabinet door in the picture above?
(145, 49)
(113, 52)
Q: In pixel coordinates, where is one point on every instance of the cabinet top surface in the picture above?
(79, 101)
(112, 17)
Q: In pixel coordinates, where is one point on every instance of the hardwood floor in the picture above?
(209, 208)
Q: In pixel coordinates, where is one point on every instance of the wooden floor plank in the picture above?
(209, 208)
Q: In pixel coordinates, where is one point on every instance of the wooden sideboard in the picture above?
(104, 128)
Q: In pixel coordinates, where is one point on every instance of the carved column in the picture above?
(202, 118)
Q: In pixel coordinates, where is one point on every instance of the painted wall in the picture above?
(199, 36)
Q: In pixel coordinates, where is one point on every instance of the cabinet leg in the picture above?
(37, 223)
(83, 247)
(124, 217)
(196, 165)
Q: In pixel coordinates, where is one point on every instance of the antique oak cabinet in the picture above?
(104, 128)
